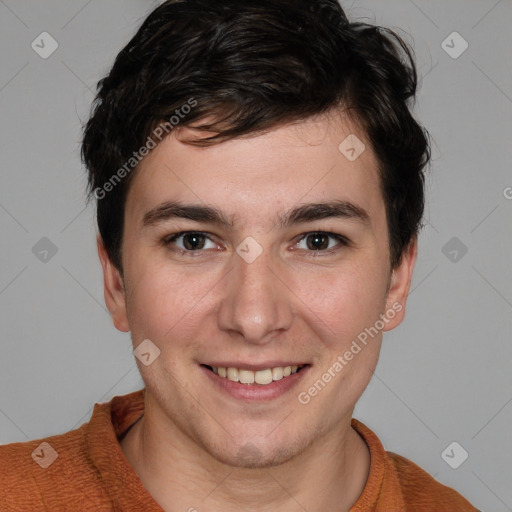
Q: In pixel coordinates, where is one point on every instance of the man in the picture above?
(259, 186)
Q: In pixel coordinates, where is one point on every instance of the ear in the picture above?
(399, 287)
(113, 288)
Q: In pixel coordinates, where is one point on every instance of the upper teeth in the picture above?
(259, 377)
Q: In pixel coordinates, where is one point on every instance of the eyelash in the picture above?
(343, 241)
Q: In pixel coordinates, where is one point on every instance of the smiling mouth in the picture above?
(261, 377)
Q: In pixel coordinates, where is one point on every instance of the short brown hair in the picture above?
(251, 66)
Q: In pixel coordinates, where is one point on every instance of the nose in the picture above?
(256, 303)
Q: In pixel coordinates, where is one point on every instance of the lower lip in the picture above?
(256, 392)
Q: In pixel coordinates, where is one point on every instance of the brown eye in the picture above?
(193, 241)
(188, 241)
(318, 241)
(321, 242)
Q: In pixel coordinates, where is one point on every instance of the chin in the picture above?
(254, 454)
(249, 456)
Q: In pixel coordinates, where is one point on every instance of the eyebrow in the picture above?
(299, 214)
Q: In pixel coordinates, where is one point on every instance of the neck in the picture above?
(181, 475)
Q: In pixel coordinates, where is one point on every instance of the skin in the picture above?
(196, 447)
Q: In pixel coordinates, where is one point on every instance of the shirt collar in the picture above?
(110, 421)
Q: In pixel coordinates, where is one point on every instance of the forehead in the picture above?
(256, 177)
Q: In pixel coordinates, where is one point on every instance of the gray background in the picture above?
(444, 375)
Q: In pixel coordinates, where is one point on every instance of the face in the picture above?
(249, 257)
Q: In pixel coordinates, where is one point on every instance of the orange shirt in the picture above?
(85, 470)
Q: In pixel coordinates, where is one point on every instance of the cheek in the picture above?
(344, 301)
(164, 301)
